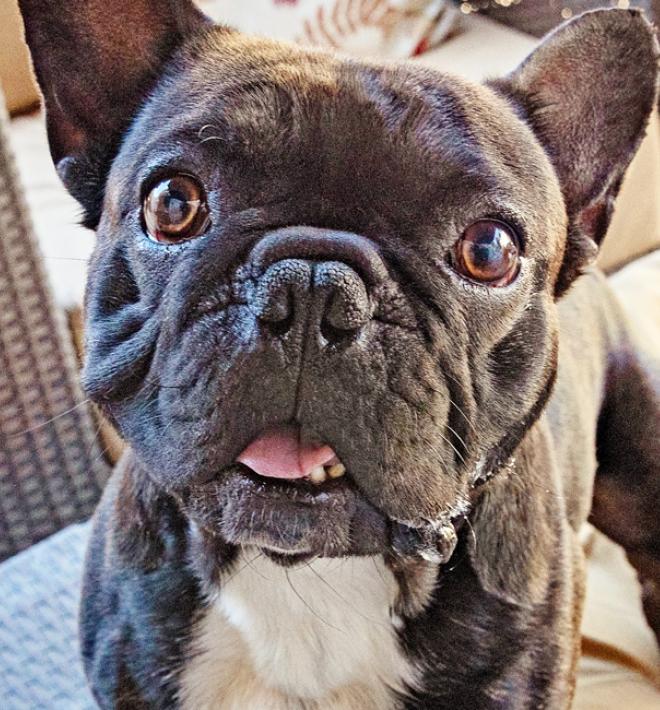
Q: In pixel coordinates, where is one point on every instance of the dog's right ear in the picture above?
(95, 62)
(587, 92)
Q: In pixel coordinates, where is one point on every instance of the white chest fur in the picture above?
(317, 637)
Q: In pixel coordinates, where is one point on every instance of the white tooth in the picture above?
(317, 474)
(337, 470)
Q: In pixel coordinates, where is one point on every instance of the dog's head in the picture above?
(310, 267)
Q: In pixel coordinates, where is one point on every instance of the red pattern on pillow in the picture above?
(386, 28)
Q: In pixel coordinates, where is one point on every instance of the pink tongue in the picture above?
(279, 453)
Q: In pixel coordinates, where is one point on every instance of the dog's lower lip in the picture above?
(293, 519)
(321, 478)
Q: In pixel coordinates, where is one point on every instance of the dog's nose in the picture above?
(327, 296)
(315, 278)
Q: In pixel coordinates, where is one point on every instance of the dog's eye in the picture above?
(488, 252)
(175, 210)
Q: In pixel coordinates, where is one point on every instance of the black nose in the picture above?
(327, 297)
(315, 279)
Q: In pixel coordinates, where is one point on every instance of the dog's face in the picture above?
(322, 304)
(366, 270)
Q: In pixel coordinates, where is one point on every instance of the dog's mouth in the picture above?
(290, 497)
(281, 453)
(295, 499)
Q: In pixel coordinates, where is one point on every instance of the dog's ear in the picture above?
(587, 93)
(95, 62)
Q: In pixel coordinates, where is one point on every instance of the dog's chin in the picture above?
(290, 521)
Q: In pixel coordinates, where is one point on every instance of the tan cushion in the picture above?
(15, 72)
(66, 246)
(620, 665)
(373, 28)
(635, 227)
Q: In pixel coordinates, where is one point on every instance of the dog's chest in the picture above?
(320, 636)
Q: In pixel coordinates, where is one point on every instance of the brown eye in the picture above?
(176, 210)
(488, 252)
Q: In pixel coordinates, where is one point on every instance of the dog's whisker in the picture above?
(312, 611)
(456, 451)
(378, 570)
(348, 604)
(206, 127)
(160, 385)
(472, 532)
(244, 566)
(257, 571)
(462, 413)
(66, 258)
(457, 435)
(37, 427)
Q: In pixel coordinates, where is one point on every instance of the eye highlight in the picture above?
(175, 210)
(488, 252)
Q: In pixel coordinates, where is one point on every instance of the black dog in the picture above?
(323, 313)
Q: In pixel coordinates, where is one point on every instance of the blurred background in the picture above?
(56, 452)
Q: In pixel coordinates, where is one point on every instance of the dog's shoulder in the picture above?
(138, 600)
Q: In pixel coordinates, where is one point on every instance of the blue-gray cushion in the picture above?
(39, 657)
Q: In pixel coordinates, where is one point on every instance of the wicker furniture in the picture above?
(51, 468)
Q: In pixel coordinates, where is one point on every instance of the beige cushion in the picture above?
(15, 73)
(635, 227)
(65, 245)
(620, 665)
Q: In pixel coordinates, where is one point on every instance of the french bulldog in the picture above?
(344, 315)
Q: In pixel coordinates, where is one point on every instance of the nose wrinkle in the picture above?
(316, 244)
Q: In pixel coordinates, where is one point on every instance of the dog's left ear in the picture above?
(95, 62)
(587, 92)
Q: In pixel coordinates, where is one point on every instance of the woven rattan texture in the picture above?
(51, 468)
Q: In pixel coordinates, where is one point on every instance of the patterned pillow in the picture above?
(384, 28)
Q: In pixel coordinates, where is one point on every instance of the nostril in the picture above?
(280, 327)
(329, 297)
(273, 300)
(337, 336)
(274, 309)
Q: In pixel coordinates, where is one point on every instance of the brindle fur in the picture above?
(455, 379)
